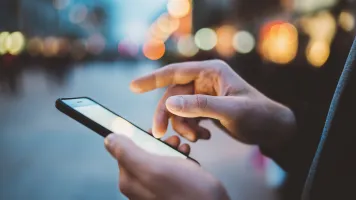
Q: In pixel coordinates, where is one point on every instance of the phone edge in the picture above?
(87, 122)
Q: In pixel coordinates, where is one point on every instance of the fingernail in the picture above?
(135, 88)
(191, 137)
(109, 140)
(175, 103)
(157, 134)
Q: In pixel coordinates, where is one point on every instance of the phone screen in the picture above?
(119, 125)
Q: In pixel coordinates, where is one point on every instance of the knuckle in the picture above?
(124, 185)
(219, 66)
(219, 63)
(201, 101)
(118, 153)
(161, 109)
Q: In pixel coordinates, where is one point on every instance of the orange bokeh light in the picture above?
(154, 49)
(224, 45)
(279, 42)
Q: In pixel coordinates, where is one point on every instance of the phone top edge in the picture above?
(78, 101)
(71, 98)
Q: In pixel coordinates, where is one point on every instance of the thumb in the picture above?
(129, 155)
(192, 106)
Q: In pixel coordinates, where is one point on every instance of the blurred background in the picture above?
(291, 50)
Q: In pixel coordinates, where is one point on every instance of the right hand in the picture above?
(211, 89)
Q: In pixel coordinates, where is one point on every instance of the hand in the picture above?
(174, 142)
(211, 89)
(148, 176)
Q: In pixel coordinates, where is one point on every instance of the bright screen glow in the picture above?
(119, 125)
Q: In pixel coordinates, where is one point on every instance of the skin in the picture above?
(195, 91)
(212, 90)
(147, 176)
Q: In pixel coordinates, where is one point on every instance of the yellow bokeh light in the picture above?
(280, 43)
(206, 39)
(321, 26)
(179, 8)
(35, 46)
(243, 42)
(121, 126)
(14, 43)
(167, 24)
(186, 46)
(3, 39)
(155, 32)
(225, 35)
(154, 49)
(347, 21)
(318, 52)
(50, 47)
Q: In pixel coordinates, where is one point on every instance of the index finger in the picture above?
(179, 73)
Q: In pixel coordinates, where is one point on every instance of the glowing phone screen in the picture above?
(118, 125)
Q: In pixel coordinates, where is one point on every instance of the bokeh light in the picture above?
(178, 8)
(321, 26)
(50, 47)
(186, 46)
(35, 46)
(96, 44)
(224, 44)
(154, 49)
(60, 4)
(157, 33)
(279, 42)
(243, 42)
(347, 21)
(78, 13)
(78, 50)
(206, 39)
(128, 47)
(318, 52)
(3, 38)
(64, 46)
(15, 43)
(167, 24)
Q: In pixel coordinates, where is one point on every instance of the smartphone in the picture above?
(104, 121)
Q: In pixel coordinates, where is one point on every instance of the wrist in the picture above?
(282, 127)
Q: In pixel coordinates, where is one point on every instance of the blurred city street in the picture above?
(46, 155)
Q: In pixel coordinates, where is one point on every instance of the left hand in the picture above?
(147, 176)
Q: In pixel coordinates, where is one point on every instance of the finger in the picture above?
(128, 154)
(201, 132)
(180, 126)
(192, 106)
(161, 117)
(173, 141)
(179, 73)
(184, 148)
(146, 167)
(131, 187)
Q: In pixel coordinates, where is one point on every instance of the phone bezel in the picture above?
(74, 114)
